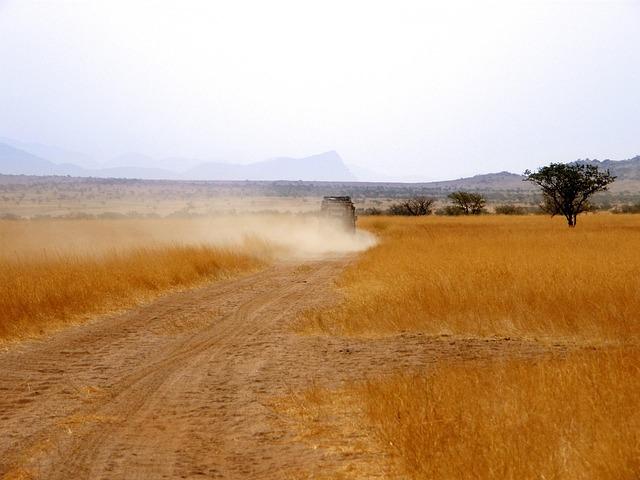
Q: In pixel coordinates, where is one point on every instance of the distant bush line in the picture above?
(628, 208)
(397, 209)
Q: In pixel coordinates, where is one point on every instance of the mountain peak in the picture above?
(326, 166)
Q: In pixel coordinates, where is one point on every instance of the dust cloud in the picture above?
(288, 236)
(276, 236)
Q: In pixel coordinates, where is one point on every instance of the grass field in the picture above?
(554, 417)
(39, 294)
(573, 418)
(524, 276)
(56, 272)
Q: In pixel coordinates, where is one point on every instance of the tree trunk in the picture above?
(571, 220)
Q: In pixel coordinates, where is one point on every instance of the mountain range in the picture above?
(19, 158)
(327, 166)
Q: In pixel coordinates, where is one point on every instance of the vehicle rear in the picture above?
(339, 211)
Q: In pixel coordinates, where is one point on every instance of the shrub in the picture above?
(468, 203)
(416, 206)
(509, 209)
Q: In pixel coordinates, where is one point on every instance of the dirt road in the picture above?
(183, 387)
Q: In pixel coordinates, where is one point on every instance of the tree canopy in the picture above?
(567, 188)
(468, 203)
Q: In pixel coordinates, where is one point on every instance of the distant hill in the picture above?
(326, 166)
(488, 181)
(53, 154)
(624, 169)
(627, 174)
(16, 161)
(37, 159)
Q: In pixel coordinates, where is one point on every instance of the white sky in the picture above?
(433, 89)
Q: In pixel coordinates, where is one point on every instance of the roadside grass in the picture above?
(45, 292)
(57, 272)
(572, 417)
(522, 276)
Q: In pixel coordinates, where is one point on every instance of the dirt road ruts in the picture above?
(181, 387)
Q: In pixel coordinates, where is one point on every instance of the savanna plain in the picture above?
(428, 348)
(572, 414)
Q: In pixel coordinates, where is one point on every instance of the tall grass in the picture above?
(40, 293)
(525, 276)
(53, 272)
(548, 418)
(576, 418)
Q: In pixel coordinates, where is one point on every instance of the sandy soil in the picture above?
(184, 387)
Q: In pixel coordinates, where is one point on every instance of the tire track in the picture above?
(53, 452)
(184, 387)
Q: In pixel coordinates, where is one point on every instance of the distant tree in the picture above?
(468, 203)
(567, 188)
(416, 206)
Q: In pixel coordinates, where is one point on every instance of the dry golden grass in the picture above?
(547, 418)
(576, 418)
(53, 271)
(60, 271)
(523, 276)
(45, 292)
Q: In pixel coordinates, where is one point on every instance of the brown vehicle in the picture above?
(341, 210)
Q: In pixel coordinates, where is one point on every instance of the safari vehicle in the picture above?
(339, 210)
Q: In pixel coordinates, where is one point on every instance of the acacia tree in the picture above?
(415, 206)
(566, 188)
(468, 203)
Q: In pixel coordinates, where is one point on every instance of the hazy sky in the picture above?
(436, 89)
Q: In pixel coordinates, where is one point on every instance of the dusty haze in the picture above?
(279, 236)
